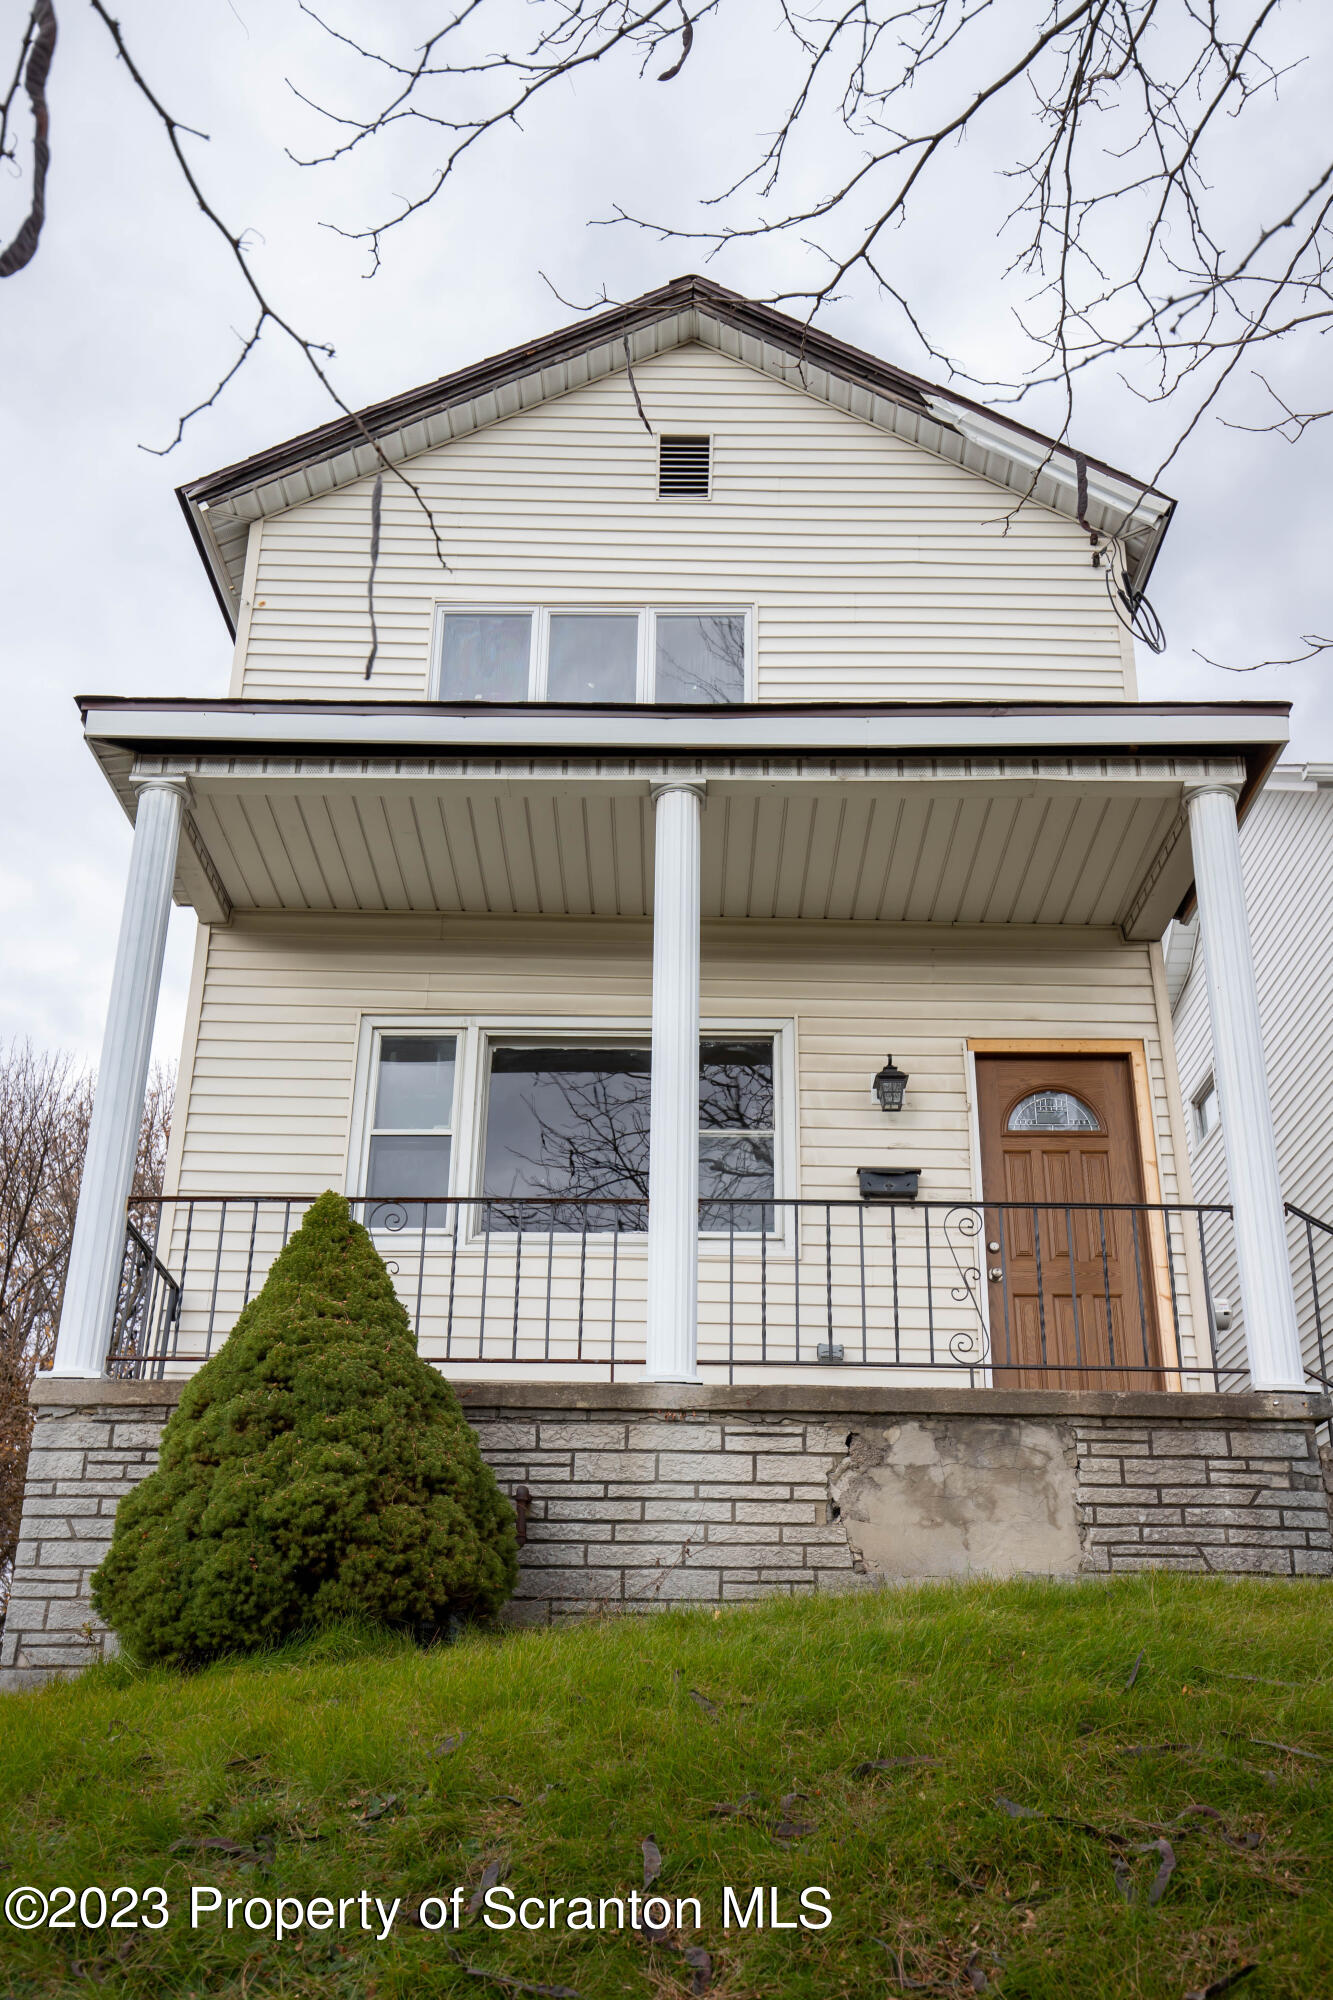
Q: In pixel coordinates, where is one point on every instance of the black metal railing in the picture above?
(145, 1328)
(1316, 1292)
(1053, 1294)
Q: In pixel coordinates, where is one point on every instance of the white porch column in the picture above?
(113, 1133)
(1272, 1337)
(673, 1151)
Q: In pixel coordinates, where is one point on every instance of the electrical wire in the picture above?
(1132, 608)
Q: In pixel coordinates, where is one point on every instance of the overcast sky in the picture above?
(127, 315)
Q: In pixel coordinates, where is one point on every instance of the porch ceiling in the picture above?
(980, 833)
(982, 853)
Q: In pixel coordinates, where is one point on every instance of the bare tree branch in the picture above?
(1123, 228)
(1311, 640)
(315, 353)
(1129, 251)
(34, 66)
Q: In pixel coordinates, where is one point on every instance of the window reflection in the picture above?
(485, 656)
(567, 1122)
(411, 1137)
(592, 658)
(567, 1137)
(700, 657)
(736, 1135)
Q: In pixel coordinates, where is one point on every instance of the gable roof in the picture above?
(221, 506)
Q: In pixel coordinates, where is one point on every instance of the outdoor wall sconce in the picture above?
(888, 1183)
(890, 1086)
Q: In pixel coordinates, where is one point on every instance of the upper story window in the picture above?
(684, 656)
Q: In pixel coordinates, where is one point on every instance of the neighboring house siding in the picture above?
(1287, 858)
(878, 571)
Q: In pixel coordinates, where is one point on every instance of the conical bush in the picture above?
(315, 1469)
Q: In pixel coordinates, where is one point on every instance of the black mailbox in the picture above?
(888, 1183)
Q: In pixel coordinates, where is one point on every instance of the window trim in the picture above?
(476, 1033)
(646, 657)
(361, 1124)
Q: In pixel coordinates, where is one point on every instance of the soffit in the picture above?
(1019, 813)
(1031, 841)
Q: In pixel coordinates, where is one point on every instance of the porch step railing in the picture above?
(1018, 1294)
(1314, 1290)
(146, 1325)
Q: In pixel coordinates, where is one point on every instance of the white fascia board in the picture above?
(1138, 507)
(1299, 778)
(1119, 727)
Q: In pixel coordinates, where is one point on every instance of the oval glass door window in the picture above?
(1052, 1111)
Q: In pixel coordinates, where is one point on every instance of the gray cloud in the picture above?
(124, 321)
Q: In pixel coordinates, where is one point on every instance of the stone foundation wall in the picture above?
(650, 1495)
(1239, 1497)
(85, 1457)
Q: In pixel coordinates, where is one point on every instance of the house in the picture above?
(1286, 851)
(631, 740)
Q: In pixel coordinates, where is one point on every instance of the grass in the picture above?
(358, 1763)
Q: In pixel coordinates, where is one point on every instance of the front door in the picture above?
(1071, 1286)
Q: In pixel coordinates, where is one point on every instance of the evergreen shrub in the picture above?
(316, 1469)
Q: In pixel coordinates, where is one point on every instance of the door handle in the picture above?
(995, 1273)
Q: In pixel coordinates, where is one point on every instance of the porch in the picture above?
(1043, 831)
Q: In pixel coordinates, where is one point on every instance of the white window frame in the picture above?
(361, 1124)
(476, 1035)
(646, 657)
(786, 1128)
(1207, 1089)
(531, 611)
(542, 646)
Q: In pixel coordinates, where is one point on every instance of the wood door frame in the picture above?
(1140, 1081)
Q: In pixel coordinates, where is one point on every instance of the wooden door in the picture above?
(1072, 1289)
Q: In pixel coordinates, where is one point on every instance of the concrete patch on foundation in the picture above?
(927, 1497)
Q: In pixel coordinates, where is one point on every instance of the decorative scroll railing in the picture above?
(1015, 1294)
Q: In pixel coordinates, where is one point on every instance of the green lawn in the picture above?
(1029, 1792)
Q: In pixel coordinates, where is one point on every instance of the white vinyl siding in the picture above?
(878, 571)
(1286, 846)
(270, 1104)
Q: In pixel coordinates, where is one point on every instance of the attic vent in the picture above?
(683, 468)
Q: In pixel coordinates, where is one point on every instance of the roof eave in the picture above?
(857, 370)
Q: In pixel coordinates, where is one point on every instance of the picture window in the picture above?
(573, 1122)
